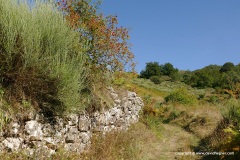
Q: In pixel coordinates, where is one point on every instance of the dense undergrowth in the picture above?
(41, 58)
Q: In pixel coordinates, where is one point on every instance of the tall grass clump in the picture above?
(41, 58)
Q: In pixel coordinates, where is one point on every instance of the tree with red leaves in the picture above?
(109, 47)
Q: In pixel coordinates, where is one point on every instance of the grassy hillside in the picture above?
(208, 123)
(166, 130)
(44, 66)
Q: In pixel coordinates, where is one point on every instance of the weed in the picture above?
(4, 119)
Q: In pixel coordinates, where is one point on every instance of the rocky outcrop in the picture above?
(74, 131)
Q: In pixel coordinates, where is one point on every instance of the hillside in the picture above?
(62, 76)
(177, 128)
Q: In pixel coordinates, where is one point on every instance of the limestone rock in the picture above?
(14, 128)
(74, 131)
(12, 143)
(73, 119)
(84, 123)
(70, 138)
(33, 128)
(47, 130)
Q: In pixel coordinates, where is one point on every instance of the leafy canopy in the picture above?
(109, 43)
(154, 69)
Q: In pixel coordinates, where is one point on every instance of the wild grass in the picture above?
(114, 146)
(41, 58)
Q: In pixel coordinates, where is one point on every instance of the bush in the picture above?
(181, 96)
(155, 79)
(40, 56)
(231, 113)
(213, 99)
(165, 78)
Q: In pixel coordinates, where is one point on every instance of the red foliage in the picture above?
(109, 43)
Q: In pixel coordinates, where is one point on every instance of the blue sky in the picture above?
(190, 34)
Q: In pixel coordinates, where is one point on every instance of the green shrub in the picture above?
(40, 56)
(181, 96)
(231, 111)
(213, 99)
(165, 78)
(119, 81)
(155, 79)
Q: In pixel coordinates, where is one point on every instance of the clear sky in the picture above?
(190, 34)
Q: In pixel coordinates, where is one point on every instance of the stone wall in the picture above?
(73, 132)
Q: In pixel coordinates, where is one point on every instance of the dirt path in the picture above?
(166, 145)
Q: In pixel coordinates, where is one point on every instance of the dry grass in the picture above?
(142, 143)
(199, 120)
(115, 145)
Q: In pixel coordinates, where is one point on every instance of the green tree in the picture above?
(208, 76)
(203, 79)
(228, 66)
(151, 69)
(168, 70)
(230, 79)
(187, 77)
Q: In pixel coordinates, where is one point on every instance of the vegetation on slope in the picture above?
(59, 60)
(213, 117)
(41, 59)
(59, 56)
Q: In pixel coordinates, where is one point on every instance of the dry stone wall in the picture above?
(73, 132)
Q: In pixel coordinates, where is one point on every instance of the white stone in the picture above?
(49, 140)
(84, 123)
(14, 128)
(12, 143)
(85, 137)
(117, 101)
(34, 128)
